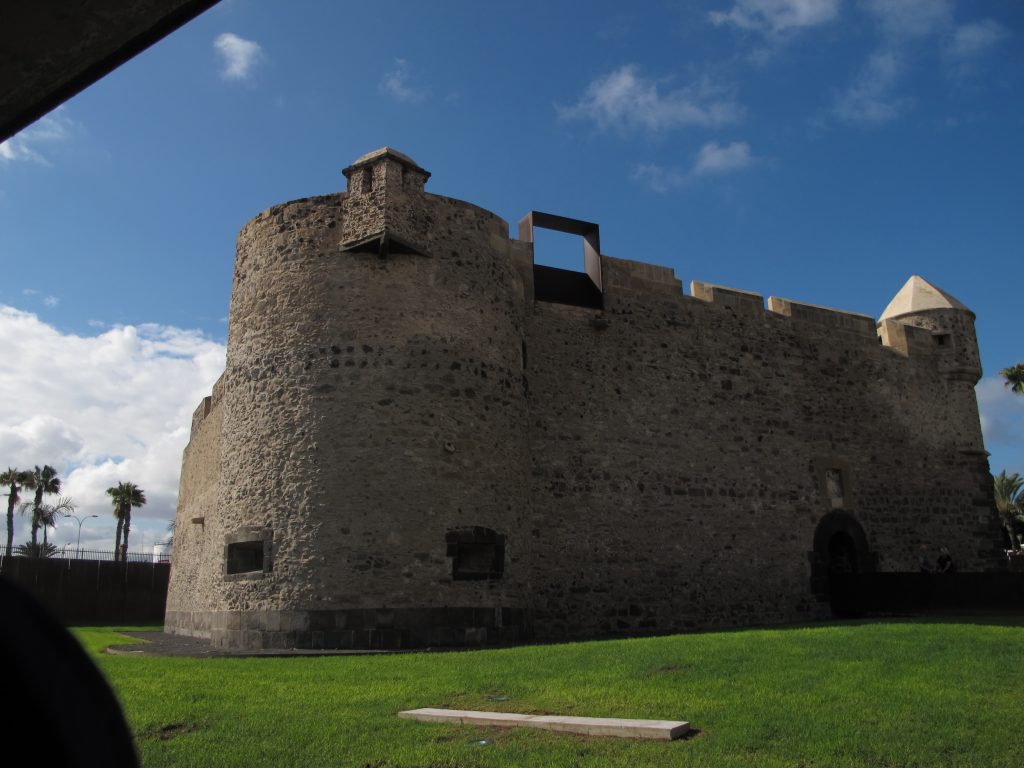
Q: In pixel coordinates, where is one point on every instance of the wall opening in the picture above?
(558, 242)
(247, 554)
(476, 553)
(245, 557)
(834, 486)
(842, 554)
(560, 250)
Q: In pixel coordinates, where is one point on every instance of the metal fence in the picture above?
(74, 553)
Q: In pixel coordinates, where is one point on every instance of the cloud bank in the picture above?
(102, 409)
(1002, 418)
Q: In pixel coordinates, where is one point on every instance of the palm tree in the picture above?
(1014, 376)
(44, 516)
(46, 482)
(48, 513)
(124, 496)
(15, 480)
(28, 549)
(1009, 501)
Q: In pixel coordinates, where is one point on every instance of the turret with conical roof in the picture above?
(948, 323)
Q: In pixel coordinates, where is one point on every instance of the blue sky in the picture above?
(819, 150)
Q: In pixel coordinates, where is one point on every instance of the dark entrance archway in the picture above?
(840, 553)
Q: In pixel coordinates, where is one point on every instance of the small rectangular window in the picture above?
(834, 483)
(476, 553)
(245, 557)
(476, 560)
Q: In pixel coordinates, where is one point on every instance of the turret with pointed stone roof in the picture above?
(947, 328)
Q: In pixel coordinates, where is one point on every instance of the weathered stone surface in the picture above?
(662, 463)
(665, 730)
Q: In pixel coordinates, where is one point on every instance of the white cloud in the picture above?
(715, 158)
(51, 301)
(775, 16)
(396, 84)
(29, 144)
(659, 178)
(625, 100)
(238, 55)
(911, 18)
(975, 39)
(871, 99)
(112, 407)
(712, 159)
(1002, 415)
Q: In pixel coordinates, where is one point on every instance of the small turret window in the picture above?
(942, 339)
(477, 553)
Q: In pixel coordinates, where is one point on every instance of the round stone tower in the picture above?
(372, 456)
(947, 333)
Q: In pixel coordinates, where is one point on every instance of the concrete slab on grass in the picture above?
(589, 726)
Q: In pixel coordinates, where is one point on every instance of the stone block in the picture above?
(664, 730)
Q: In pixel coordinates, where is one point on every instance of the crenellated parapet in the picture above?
(941, 333)
(207, 405)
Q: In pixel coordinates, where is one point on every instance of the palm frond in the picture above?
(1014, 376)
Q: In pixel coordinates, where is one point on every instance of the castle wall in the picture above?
(373, 406)
(407, 449)
(680, 447)
(197, 558)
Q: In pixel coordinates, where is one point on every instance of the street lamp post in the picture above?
(78, 546)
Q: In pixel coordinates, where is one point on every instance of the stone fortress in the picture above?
(423, 438)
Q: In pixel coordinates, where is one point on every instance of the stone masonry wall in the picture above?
(678, 449)
(373, 405)
(669, 461)
(199, 498)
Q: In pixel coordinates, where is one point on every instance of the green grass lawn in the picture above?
(858, 694)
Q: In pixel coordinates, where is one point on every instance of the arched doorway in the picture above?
(840, 553)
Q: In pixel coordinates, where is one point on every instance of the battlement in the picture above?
(836, 319)
(207, 405)
(900, 335)
(741, 302)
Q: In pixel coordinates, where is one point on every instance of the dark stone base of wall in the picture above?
(354, 628)
(882, 594)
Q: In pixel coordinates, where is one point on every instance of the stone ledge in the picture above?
(665, 730)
